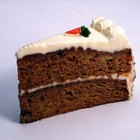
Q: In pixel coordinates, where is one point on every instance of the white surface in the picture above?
(25, 21)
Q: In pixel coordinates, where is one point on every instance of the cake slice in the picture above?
(81, 68)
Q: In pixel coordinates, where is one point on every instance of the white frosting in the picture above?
(105, 36)
(101, 25)
(94, 21)
(113, 31)
(95, 40)
(126, 76)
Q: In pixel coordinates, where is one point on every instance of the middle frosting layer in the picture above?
(126, 76)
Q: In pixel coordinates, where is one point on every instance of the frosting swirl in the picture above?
(113, 31)
(94, 21)
(107, 27)
(101, 25)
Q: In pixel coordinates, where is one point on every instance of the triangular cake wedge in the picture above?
(81, 68)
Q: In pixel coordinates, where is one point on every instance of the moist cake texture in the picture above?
(80, 68)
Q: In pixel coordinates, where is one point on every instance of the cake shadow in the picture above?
(9, 105)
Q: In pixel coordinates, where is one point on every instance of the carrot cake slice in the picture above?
(81, 68)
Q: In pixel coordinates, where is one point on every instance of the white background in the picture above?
(25, 21)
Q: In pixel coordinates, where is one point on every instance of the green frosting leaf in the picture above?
(85, 31)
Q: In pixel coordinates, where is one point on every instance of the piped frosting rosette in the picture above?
(107, 27)
(102, 24)
(113, 31)
(96, 20)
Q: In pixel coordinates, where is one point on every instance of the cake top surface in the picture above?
(101, 35)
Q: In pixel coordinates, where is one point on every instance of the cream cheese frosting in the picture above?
(113, 31)
(105, 36)
(97, 19)
(101, 25)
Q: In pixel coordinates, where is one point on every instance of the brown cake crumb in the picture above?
(65, 98)
(38, 69)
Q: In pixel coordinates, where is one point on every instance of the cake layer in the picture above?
(69, 64)
(69, 97)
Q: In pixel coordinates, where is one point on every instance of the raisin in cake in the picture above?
(80, 68)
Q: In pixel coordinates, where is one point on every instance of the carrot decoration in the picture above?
(74, 31)
(84, 31)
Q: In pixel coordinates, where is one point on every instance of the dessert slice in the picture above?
(80, 68)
